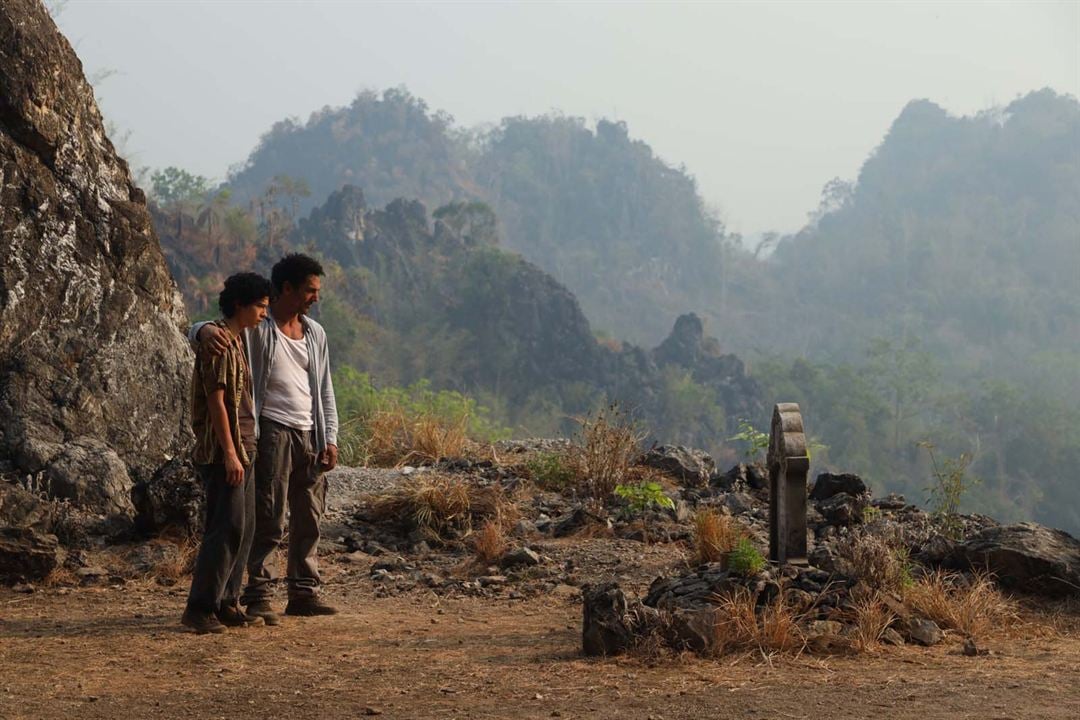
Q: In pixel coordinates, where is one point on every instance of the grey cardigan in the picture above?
(261, 342)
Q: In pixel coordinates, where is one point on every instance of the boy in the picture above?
(223, 419)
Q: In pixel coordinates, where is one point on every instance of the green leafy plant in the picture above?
(756, 441)
(551, 471)
(903, 560)
(643, 496)
(744, 558)
(951, 482)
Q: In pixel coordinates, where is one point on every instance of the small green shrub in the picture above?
(870, 514)
(643, 496)
(756, 441)
(550, 471)
(744, 559)
(951, 482)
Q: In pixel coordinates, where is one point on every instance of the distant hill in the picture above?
(623, 230)
(962, 231)
(412, 297)
(935, 298)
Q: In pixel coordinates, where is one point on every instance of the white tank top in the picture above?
(288, 390)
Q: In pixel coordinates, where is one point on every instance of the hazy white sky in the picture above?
(762, 102)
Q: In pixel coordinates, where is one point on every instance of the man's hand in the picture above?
(234, 471)
(213, 339)
(329, 458)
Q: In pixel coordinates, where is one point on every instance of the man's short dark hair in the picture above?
(294, 269)
(242, 289)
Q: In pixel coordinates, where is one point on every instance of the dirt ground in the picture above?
(119, 652)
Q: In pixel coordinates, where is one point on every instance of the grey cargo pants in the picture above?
(286, 474)
(227, 536)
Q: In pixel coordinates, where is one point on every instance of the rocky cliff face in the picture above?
(93, 366)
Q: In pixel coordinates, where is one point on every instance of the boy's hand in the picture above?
(213, 339)
(234, 471)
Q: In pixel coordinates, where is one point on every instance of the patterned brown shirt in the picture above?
(231, 372)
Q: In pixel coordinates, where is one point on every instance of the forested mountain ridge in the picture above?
(622, 229)
(411, 298)
(962, 231)
(934, 299)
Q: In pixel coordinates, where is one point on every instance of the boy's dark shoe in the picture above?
(309, 606)
(201, 622)
(262, 609)
(232, 616)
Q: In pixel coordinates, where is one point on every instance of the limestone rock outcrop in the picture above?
(93, 366)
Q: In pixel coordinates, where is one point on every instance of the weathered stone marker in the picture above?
(788, 467)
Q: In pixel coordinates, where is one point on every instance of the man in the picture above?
(297, 438)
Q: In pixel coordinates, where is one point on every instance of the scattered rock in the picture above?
(691, 630)
(173, 497)
(830, 484)
(923, 631)
(521, 556)
(842, 509)
(91, 476)
(605, 628)
(148, 558)
(21, 508)
(891, 637)
(693, 467)
(739, 503)
(26, 554)
(1028, 557)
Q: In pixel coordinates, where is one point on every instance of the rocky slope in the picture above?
(93, 367)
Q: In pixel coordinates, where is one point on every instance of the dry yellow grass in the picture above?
(714, 534)
(183, 563)
(608, 445)
(60, 576)
(973, 606)
(740, 625)
(879, 563)
(489, 542)
(872, 619)
(397, 437)
(444, 507)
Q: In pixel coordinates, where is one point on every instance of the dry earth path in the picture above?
(118, 652)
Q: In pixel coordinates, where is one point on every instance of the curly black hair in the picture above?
(294, 269)
(242, 289)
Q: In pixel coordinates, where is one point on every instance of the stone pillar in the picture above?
(788, 468)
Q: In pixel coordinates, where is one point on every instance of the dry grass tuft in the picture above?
(715, 535)
(397, 437)
(609, 443)
(879, 563)
(60, 576)
(183, 563)
(740, 625)
(489, 542)
(971, 605)
(872, 619)
(444, 507)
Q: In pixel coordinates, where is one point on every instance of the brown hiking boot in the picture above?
(262, 609)
(201, 622)
(307, 606)
(232, 616)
